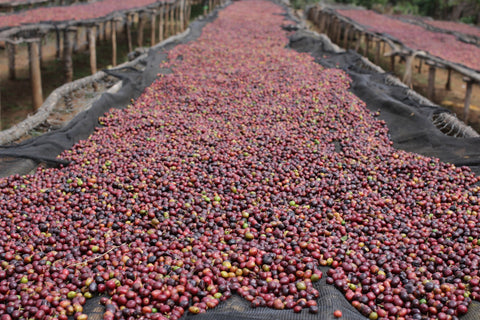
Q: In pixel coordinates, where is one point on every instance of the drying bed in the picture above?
(442, 45)
(84, 11)
(245, 171)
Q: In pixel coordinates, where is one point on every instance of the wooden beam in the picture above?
(160, 24)
(431, 82)
(128, 32)
(346, 35)
(11, 51)
(172, 20)
(468, 98)
(105, 29)
(153, 27)
(167, 20)
(58, 42)
(113, 25)
(188, 13)
(377, 51)
(448, 86)
(359, 41)
(367, 44)
(67, 56)
(420, 64)
(35, 74)
(92, 48)
(140, 29)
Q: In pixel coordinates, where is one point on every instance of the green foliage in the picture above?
(469, 19)
(439, 9)
(301, 4)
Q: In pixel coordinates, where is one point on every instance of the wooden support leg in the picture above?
(377, 51)
(392, 63)
(128, 31)
(67, 56)
(141, 27)
(35, 74)
(449, 77)
(468, 98)
(104, 31)
(160, 25)
(188, 12)
(346, 36)
(183, 6)
(40, 52)
(114, 42)
(420, 64)
(58, 43)
(76, 40)
(172, 21)
(11, 50)
(153, 27)
(358, 42)
(339, 33)
(431, 82)
(92, 49)
(167, 21)
(367, 45)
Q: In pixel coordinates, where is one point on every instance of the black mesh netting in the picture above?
(23, 158)
(409, 121)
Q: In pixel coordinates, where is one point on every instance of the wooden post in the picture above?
(160, 24)
(188, 13)
(392, 63)
(40, 51)
(11, 50)
(35, 73)
(420, 64)
(377, 51)
(367, 44)
(67, 56)
(339, 32)
(76, 39)
(346, 36)
(359, 41)
(431, 80)
(177, 17)
(58, 43)
(92, 48)
(183, 7)
(172, 20)
(468, 98)
(331, 27)
(140, 30)
(105, 29)
(167, 21)
(153, 26)
(113, 25)
(449, 76)
(128, 32)
(407, 77)
(323, 22)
